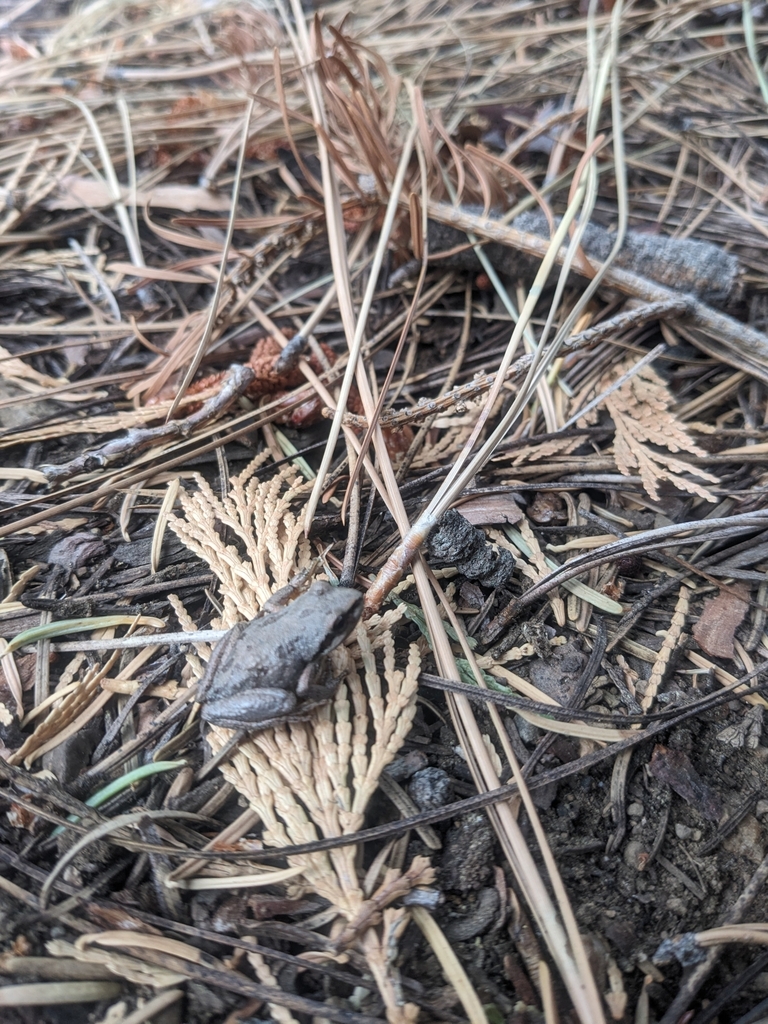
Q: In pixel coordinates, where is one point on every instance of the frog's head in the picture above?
(339, 609)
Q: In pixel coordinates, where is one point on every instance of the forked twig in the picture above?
(235, 384)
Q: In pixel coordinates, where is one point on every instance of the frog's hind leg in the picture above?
(250, 710)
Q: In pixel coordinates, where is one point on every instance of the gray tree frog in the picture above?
(271, 668)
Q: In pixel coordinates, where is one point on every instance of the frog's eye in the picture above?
(343, 624)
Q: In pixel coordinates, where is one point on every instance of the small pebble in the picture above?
(402, 768)
(477, 920)
(747, 841)
(468, 854)
(636, 810)
(635, 854)
(429, 788)
(529, 734)
(762, 808)
(682, 831)
(471, 595)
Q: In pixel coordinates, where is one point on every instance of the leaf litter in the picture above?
(513, 259)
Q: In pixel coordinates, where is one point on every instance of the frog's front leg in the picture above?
(315, 686)
(218, 654)
(251, 708)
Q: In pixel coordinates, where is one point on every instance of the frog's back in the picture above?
(262, 653)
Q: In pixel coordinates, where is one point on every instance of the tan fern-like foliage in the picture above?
(272, 547)
(314, 779)
(544, 450)
(644, 422)
(452, 430)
